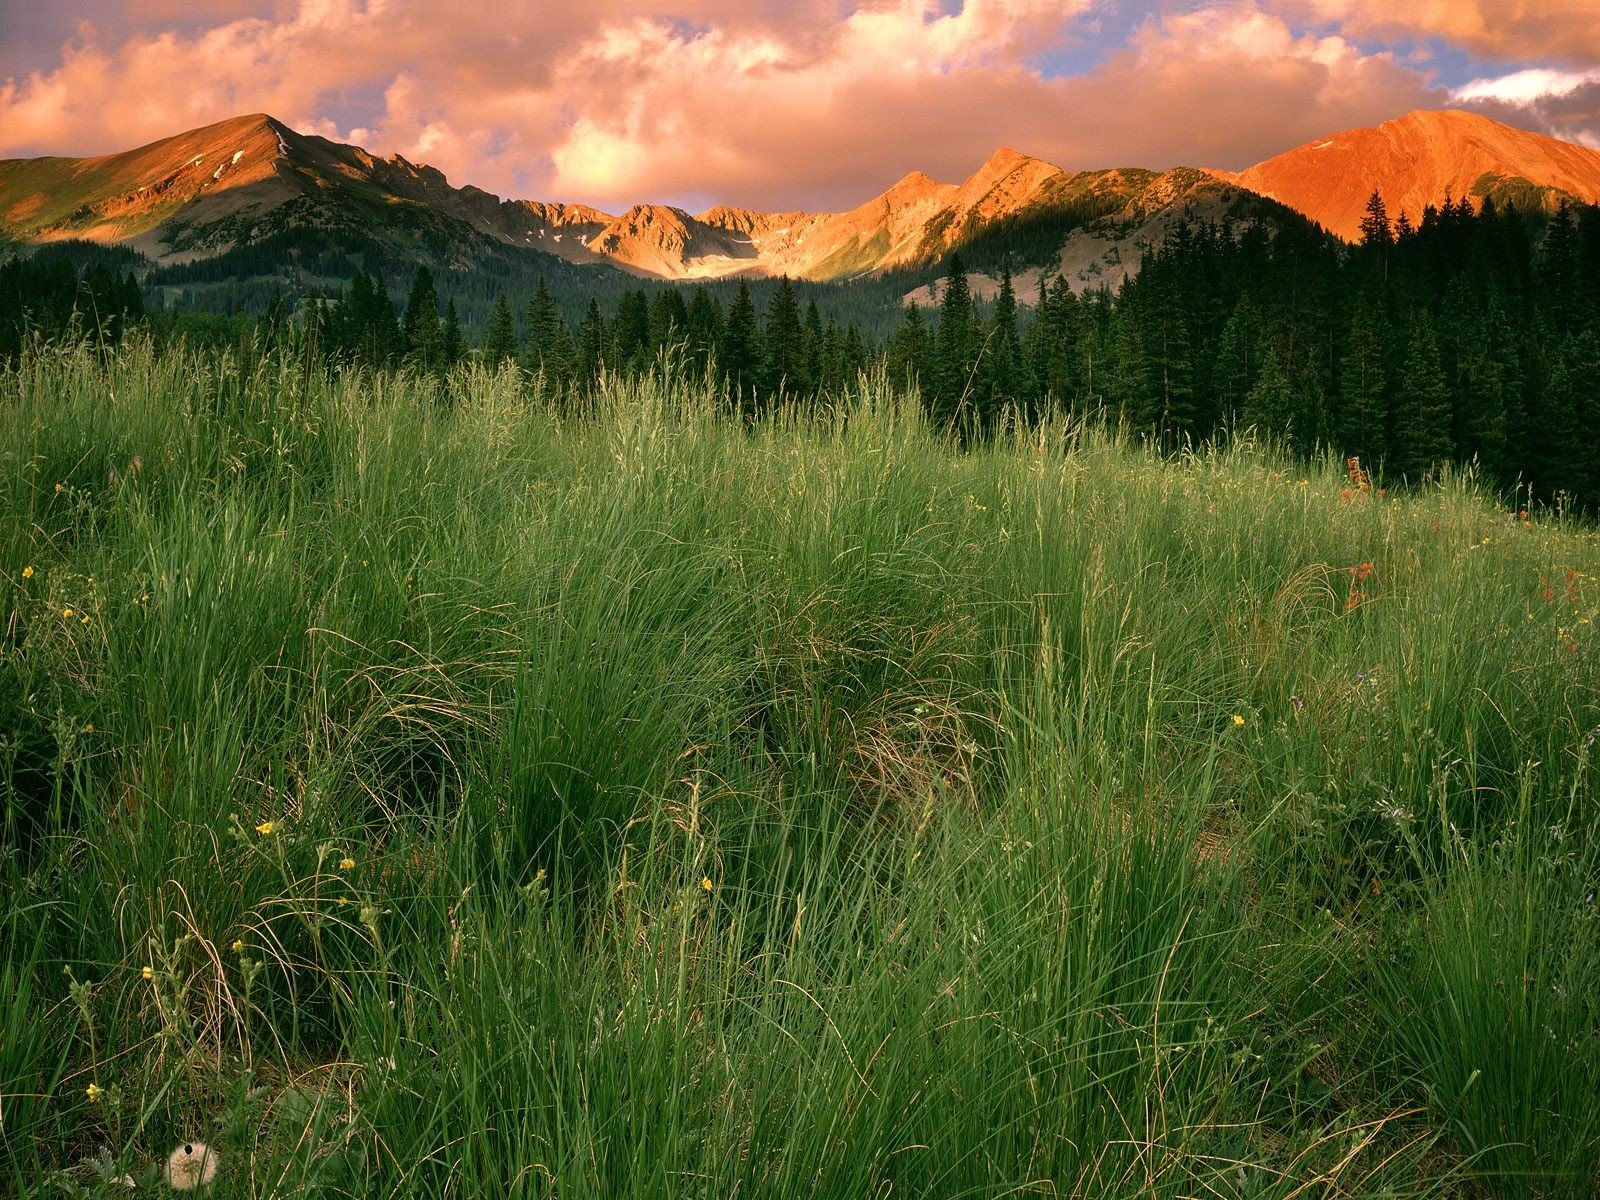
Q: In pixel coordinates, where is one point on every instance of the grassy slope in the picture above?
(507, 804)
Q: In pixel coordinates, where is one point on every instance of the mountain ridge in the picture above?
(239, 181)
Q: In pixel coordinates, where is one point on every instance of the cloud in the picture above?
(1564, 31)
(1526, 87)
(1565, 104)
(816, 104)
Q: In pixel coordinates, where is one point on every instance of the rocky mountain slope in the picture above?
(1417, 160)
(252, 181)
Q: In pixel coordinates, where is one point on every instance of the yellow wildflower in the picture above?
(266, 827)
(1237, 719)
(347, 864)
(94, 1091)
(27, 572)
(66, 614)
(58, 489)
(238, 945)
(148, 972)
(706, 885)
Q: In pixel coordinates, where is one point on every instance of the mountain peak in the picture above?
(1006, 159)
(1417, 160)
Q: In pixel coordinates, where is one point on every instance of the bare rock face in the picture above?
(1415, 161)
(200, 192)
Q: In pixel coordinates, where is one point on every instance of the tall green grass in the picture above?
(420, 789)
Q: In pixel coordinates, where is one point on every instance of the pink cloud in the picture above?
(1566, 31)
(775, 106)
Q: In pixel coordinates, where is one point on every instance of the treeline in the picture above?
(1471, 336)
(762, 356)
(49, 297)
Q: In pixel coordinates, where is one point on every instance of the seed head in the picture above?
(191, 1165)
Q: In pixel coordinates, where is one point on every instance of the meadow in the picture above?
(424, 788)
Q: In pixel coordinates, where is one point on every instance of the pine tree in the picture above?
(1125, 369)
(452, 341)
(1364, 383)
(1238, 358)
(1004, 383)
(784, 365)
(1269, 406)
(1419, 435)
(548, 350)
(669, 321)
(703, 323)
(906, 356)
(740, 352)
(1375, 228)
(630, 333)
(593, 345)
(956, 347)
(500, 339)
(421, 325)
(815, 367)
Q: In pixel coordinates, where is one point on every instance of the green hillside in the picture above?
(417, 789)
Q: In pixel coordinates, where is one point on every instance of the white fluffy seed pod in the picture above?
(191, 1165)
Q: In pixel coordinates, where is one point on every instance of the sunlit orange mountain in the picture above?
(252, 182)
(1418, 160)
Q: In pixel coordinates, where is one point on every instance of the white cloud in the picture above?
(1526, 87)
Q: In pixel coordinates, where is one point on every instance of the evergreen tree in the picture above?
(815, 368)
(1126, 370)
(956, 348)
(421, 325)
(452, 341)
(784, 365)
(740, 352)
(1560, 285)
(703, 323)
(1238, 359)
(630, 333)
(669, 321)
(1364, 383)
(1004, 381)
(1419, 434)
(548, 350)
(906, 355)
(592, 345)
(500, 340)
(1270, 404)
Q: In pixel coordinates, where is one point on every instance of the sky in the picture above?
(815, 104)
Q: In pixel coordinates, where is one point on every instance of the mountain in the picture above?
(247, 191)
(251, 199)
(1418, 160)
(233, 199)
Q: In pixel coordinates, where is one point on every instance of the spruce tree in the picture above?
(703, 325)
(1419, 434)
(906, 356)
(1238, 358)
(1270, 404)
(956, 348)
(630, 333)
(593, 345)
(500, 339)
(548, 350)
(452, 341)
(421, 325)
(1005, 383)
(739, 355)
(1364, 383)
(784, 365)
